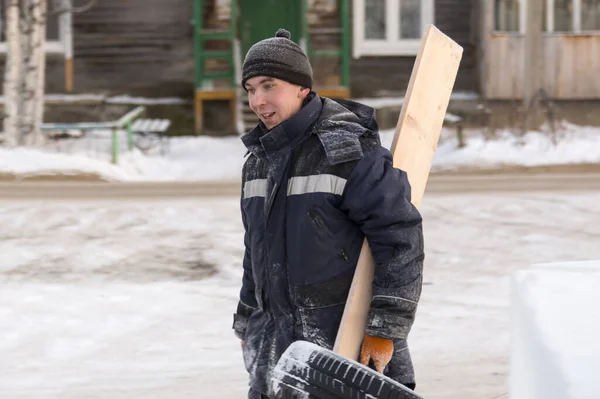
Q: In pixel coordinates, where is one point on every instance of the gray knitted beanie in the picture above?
(278, 57)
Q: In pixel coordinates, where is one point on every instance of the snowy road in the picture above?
(133, 299)
(437, 183)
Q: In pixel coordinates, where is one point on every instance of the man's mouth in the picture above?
(267, 116)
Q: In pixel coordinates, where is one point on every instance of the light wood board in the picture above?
(415, 141)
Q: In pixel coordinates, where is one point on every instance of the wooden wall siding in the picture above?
(141, 47)
(372, 76)
(145, 47)
(505, 58)
(570, 68)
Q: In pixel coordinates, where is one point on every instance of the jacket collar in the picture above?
(289, 133)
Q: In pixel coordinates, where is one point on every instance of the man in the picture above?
(315, 184)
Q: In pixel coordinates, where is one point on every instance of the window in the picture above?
(507, 15)
(390, 27)
(54, 27)
(561, 16)
(590, 15)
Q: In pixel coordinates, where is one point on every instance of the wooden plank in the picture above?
(580, 84)
(492, 74)
(516, 56)
(586, 67)
(146, 125)
(136, 125)
(532, 72)
(333, 92)
(595, 64)
(565, 79)
(504, 75)
(164, 125)
(413, 147)
(155, 125)
(215, 94)
(550, 66)
(487, 56)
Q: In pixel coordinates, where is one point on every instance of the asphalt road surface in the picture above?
(446, 183)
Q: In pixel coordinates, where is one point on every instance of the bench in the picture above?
(72, 130)
(148, 133)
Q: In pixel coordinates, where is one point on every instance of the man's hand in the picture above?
(380, 350)
(242, 342)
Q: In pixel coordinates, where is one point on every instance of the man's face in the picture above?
(274, 100)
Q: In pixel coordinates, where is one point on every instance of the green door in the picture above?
(260, 19)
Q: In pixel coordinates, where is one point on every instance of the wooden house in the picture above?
(569, 49)
(358, 48)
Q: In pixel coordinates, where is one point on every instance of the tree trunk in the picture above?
(24, 76)
(12, 75)
(33, 30)
(38, 114)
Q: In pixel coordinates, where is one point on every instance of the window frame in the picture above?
(61, 46)
(577, 4)
(391, 45)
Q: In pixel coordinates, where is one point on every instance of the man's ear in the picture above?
(303, 92)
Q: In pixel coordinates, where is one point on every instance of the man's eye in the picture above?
(251, 91)
(268, 87)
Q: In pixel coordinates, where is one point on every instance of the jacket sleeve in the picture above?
(247, 303)
(377, 197)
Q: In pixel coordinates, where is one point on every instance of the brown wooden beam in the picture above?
(333, 92)
(213, 95)
(69, 75)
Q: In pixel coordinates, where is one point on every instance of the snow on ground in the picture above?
(135, 299)
(212, 158)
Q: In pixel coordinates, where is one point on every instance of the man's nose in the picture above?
(258, 99)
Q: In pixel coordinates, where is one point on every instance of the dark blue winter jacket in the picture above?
(313, 188)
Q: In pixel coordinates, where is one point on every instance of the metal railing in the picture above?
(126, 121)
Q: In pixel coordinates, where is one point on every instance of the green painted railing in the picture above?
(343, 53)
(201, 36)
(124, 121)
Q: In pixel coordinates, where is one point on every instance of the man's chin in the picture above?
(271, 125)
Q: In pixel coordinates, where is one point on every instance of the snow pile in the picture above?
(29, 161)
(572, 145)
(555, 350)
(212, 158)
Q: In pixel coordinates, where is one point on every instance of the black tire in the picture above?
(307, 371)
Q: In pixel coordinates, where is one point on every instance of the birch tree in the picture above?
(24, 78)
(12, 73)
(25, 72)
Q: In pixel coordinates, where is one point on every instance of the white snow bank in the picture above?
(555, 350)
(575, 144)
(212, 158)
(28, 161)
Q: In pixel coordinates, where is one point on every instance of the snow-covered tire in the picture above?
(307, 371)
